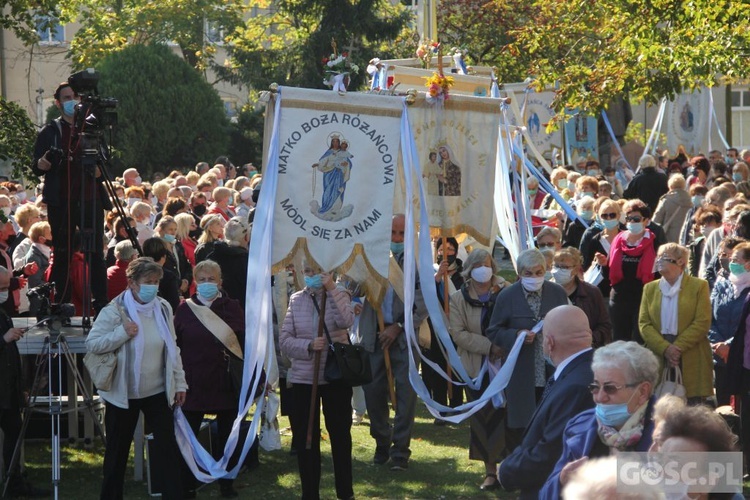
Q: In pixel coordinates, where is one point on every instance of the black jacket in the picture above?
(648, 186)
(11, 379)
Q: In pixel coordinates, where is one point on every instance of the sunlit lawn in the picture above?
(439, 468)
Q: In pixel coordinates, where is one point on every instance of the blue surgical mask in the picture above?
(612, 415)
(736, 268)
(208, 290)
(397, 248)
(593, 173)
(562, 183)
(610, 223)
(147, 293)
(313, 282)
(69, 107)
(169, 238)
(697, 200)
(635, 227)
(587, 194)
(587, 214)
(737, 177)
(4, 296)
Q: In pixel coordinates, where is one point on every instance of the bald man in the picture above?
(567, 345)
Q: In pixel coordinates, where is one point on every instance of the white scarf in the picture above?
(740, 283)
(46, 251)
(669, 298)
(135, 309)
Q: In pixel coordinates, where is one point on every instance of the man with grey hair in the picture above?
(518, 310)
(648, 185)
(131, 177)
(567, 345)
(231, 255)
(11, 395)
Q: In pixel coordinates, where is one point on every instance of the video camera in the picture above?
(55, 316)
(94, 112)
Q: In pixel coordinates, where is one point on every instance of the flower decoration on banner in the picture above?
(337, 69)
(438, 86)
(426, 50)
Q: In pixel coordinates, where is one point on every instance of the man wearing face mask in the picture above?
(567, 347)
(54, 159)
(518, 309)
(391, 443)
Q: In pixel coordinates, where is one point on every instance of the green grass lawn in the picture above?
(439, 468)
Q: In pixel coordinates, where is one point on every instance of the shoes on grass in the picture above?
(398, 464)
(381, 456)
(357, 418)
(490, 483)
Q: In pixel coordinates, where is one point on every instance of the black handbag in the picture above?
(346, 364)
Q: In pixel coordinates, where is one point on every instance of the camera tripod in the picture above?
(55, 346)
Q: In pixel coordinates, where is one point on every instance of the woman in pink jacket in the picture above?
(299, 341)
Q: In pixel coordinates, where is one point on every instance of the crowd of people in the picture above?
(653, 274)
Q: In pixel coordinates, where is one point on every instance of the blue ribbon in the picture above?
(614, 138)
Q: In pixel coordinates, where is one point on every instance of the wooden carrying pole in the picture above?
(447, 309)
(316, 369)
(387, 359)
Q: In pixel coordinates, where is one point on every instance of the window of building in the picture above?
(740, 117)
(214, 32)
(49, 30)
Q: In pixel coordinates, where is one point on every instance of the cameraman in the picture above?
(69, 193)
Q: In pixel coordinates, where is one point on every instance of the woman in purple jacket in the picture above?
(299, 340)
(205, 359)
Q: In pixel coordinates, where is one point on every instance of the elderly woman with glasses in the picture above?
(625, 375)
(518, 309)
(674, 320)
(596, 241)
(629, 266)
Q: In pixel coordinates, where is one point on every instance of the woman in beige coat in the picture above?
(470, 312)
(673, 208)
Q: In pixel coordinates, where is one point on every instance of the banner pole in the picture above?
(387, 358)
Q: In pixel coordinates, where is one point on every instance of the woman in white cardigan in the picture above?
(148, 378)
(470, 313)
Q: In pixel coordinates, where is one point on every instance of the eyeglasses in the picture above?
(666, 259)
(609, 389)
(633, 218)
(609, 216)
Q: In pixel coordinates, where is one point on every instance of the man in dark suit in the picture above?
(567, 345)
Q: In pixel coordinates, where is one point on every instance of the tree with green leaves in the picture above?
(592, 51)
(168, 115)
(17, 133)
(196, 26)
(22, 17)
(288, 39)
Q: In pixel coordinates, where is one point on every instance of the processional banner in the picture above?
(337, 165)
(687, 118)
(456, 143)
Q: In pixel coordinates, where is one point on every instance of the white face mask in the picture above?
(706, 230)
(6, 211)
(138, 180)
(532, 283)
(4, 296)
(481, 274)
(562, 276)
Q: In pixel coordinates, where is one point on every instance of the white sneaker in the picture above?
(357, 418)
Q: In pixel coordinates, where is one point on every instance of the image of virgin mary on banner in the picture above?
(456, 144)
(337, 164)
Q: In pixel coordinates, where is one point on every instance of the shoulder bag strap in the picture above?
(325, 327)
(217, 326)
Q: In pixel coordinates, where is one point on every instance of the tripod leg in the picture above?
(88, 399)
(42, 362)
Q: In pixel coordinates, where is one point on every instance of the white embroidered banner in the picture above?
(456, 144)
(687, 118)
(536, 111)
(337, 164)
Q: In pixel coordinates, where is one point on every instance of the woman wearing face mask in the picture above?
(625, 375)
(697, 198)
(674, 320)
(137, 326)
(600, 242)
(673, 208)
(177, 262)
(471, 309)
(519, 308)
(299, 340)
(727, 300)
(210, 327)
(566, 272)
(574, 231)
(740, 172)
(629, 266)
(559, 179)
